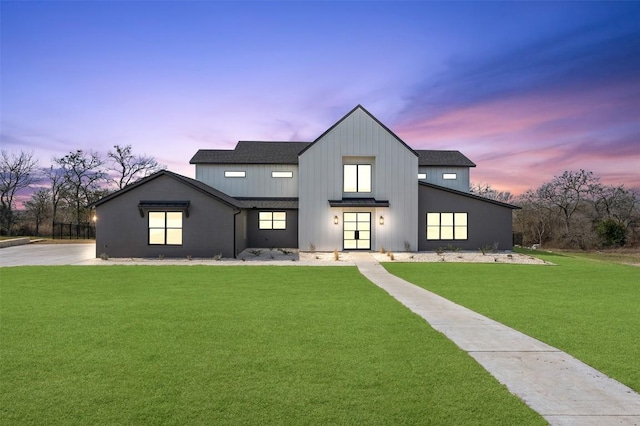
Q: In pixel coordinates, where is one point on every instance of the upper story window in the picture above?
(235, 174)
(422, 175)
(449, 176)
(165, 228)
(281, 174)
(357, 178)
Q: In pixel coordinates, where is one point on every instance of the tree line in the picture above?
(573, 210)
(63, 192)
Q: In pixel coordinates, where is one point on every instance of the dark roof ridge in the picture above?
(200, 186)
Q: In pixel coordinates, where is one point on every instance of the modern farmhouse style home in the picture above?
(358, 186)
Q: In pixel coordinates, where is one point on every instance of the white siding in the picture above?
(394, 178)
(434, 176)
(257, 183)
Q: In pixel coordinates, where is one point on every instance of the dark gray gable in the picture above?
(221, 196)
(469, 195)
(371, 116)
(428, 157)
(252, 152)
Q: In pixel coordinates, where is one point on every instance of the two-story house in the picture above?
(358, 186)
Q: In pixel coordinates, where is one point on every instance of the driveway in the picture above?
(48, 254)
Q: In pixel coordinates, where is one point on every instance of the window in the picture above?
(165, 228)
(234, 174)
(273, 220)
(357, 178)
(446, 226)
(449, 176)
(281, 174)
(422, 175)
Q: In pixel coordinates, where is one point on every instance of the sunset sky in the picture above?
(526, 90)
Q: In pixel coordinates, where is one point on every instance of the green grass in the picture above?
(588, 308)
(229, 345)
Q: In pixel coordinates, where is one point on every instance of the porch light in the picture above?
(335, 220)
(381, 220)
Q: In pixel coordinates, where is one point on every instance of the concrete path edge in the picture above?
(564, 390)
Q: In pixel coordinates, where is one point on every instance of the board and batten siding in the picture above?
(434, 176)
(394, 173)
(257, 183)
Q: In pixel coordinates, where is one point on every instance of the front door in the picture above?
(357, 231)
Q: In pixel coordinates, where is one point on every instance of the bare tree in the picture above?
(536, 217)
(568, 192)
(16, 173)
(487, 191)
(128, 167)
(39, 207)
(83, 175)
(58, 188)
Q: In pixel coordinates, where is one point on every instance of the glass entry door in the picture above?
(357, 231)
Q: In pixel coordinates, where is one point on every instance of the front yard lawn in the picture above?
(588, 308)
(229, 345)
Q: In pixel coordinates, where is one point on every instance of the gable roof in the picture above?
(359, 107)
(429, 157)
(197, 185)
(252, 152)
(469, 195)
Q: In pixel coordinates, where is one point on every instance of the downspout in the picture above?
(234, 233)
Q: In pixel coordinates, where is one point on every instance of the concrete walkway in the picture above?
(562, 389)
(48, 254)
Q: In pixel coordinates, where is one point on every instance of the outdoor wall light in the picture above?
(335, 220)
(381, 220)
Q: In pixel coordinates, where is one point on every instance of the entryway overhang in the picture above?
(359, 202)
(146, 205)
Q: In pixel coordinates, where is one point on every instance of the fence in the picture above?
(517, 238)
(71, 231)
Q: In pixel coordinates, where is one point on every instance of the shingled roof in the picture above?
(200, 186)
(428, 157)
(252, 152)
(258, 152)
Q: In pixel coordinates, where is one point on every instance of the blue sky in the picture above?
(525, 89)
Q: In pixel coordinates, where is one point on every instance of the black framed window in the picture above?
(447, 226)
(165, 228)
(357, 177)
(272, 220)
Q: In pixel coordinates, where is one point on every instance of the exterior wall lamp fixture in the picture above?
(335, 220)
(381, 220)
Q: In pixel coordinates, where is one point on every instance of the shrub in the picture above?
(612, 233)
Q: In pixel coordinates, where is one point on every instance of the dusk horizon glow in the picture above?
(524, 90)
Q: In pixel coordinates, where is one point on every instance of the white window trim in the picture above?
(235, 174)
(422, 175)
(449, 176)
